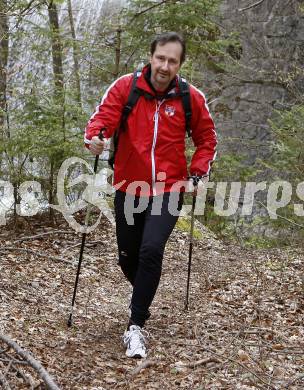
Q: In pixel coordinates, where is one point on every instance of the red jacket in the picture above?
(152, 149)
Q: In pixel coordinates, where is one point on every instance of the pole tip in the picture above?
(70, 321)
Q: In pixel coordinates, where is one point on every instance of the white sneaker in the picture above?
(134, 340)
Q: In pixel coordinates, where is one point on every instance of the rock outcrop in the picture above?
(266, 72)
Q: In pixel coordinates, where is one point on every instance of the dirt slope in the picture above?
(243, 330)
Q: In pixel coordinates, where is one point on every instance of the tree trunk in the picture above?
(56, 48)
(117, 52)
(59, 95)
(51, 192)
(4, 36)
(75, 54)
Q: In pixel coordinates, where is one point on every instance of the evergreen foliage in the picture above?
(288, 147)
(287, 163)
(54, 70)
(53, 75)
(195, 20)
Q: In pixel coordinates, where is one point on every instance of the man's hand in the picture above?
(195, 181)
(96, 145)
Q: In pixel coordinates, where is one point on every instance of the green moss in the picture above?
(184, 224)
(259, 242)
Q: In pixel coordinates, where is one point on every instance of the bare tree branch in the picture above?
(4, 382)
(89, 244)
(145, 364)
(210, 359)
(251, 6)
(51, 385)
(280, 216)
(10, 248)
(43, 234)
(7, 359)
(148, 9)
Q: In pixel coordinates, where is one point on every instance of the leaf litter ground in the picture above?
(243, 330)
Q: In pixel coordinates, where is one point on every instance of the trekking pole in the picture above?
(195, 183)
(84, 235)
(195, 180)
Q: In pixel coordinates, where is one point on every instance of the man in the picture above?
(149, 166)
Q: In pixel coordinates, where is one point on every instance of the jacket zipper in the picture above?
(156, 118)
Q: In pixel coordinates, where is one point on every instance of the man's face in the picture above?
(165, 63)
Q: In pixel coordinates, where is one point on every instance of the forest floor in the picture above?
(243, 330)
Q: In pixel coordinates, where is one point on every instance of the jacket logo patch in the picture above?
(169, 110)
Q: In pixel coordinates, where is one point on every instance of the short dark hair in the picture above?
(164, 38)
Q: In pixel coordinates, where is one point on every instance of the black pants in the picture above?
(141, 245)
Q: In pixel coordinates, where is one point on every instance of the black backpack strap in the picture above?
(133, 97)
(185, 95)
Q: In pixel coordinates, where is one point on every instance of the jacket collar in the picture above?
(144, 83)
